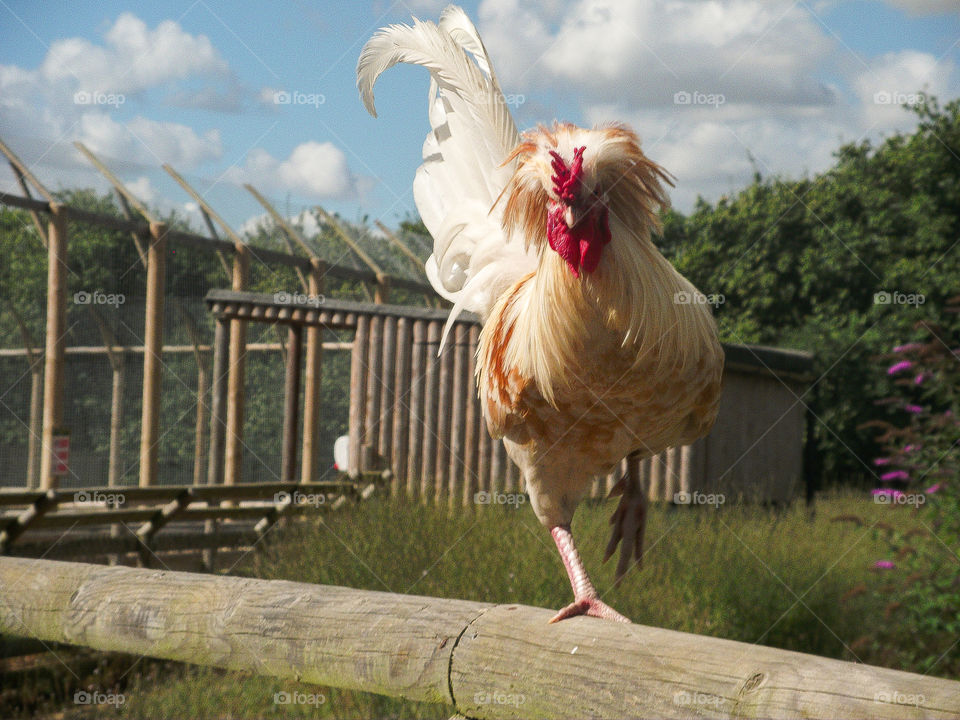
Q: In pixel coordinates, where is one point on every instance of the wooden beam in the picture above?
(402, 247)
(488, 661)
(313, 376)
(153, 349)
(22, 169)
(34, 214)
(35, 426)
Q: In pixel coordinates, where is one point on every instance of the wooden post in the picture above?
(152, 349)
(313, 380)
(116, 418)
(56, 340)
(36, 423)
(418, 371)
(358, 393)
(460, 388)
(471, 479)
(381, 293)
(35, 363)
(428, 490)
(236, 376)
(374, 368)
(291, 405)
(401, 405)
(487, 661)
(218, 402)
(444, 420)
(387, 396)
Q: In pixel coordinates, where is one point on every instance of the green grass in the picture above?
(746, 573)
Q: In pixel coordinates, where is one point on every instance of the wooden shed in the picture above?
(417, 413)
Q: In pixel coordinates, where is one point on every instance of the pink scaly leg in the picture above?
(585, 598)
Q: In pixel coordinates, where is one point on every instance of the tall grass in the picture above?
(759, 575)
(747, 573)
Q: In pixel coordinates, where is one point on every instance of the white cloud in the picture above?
(133, 59)
(926, 7)
(748, 50)
(314, 169)
(786, 93)
(899, 78)
(148, 141)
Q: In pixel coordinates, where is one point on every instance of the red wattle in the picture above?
(581, 245)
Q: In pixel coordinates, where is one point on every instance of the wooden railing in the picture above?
(115, 521)
(487, 661)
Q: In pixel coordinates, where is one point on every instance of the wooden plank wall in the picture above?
(418, 414)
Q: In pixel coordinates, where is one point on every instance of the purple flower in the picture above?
(881, 461)
(897, 367)
(883, 565)
(910, 448)
(908, 346)
(889, 492)
(915, 409)
(919, 379)
(895, 475)
(933, 488)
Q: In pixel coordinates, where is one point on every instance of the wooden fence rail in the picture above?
(488, 661)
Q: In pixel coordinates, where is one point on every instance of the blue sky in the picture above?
(775, 86)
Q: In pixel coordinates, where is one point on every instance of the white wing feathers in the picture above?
(462, 175)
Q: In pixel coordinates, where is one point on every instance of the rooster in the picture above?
(593, 346)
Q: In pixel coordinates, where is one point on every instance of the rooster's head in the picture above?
(571, 184)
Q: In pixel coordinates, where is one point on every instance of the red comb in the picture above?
(565, 179)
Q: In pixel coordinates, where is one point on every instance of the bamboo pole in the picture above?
(312, 381)
(358, 393)
(53, 374)
(153, 347)
(382, 289)
(488, 661)
(419, 362)
(401, 406)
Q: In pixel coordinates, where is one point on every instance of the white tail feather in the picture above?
(463, 172)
